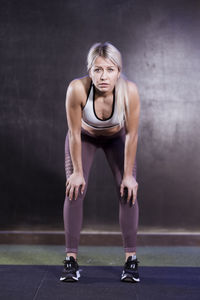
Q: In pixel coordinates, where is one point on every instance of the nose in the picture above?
(103, 75)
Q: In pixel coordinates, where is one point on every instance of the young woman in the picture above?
(102, 112)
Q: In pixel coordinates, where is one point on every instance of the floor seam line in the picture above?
(41, 282)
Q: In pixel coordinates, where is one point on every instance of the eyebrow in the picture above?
(106, 67)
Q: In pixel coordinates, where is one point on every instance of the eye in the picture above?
(96, 70)
(110, 69)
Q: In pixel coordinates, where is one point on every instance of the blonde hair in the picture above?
(107, 50)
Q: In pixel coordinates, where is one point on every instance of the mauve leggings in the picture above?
(113, 147)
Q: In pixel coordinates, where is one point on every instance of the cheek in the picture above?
(94, 76)
(115, 77)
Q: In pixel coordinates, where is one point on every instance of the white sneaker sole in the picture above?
(70, 279)
(129, 278)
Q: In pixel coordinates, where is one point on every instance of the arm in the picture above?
(132, 121)
(73, 111)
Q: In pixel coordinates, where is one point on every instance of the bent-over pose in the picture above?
(102, 112)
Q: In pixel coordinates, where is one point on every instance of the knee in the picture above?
(73, 202)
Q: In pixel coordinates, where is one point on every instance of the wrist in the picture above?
(127, 174)
(78, 172)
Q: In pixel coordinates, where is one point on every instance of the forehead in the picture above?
(103, 62)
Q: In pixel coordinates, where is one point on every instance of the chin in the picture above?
(105, 88)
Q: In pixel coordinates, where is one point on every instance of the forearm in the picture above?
(75, 151)
(130, 154)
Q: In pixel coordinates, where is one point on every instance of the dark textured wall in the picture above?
(43, 47)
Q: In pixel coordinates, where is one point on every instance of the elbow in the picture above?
(132, 137)
(74, 134)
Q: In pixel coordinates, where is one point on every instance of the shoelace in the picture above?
(133, 264)
(70, 266)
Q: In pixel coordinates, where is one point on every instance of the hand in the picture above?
(128, 189)
(73, 183)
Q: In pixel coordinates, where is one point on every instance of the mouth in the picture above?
(103, 84)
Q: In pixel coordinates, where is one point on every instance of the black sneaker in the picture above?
(71, 270)
(130, 272)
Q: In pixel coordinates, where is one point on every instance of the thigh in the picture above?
(88, 149)
(114, 151)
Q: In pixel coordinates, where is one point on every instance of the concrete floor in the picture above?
(99, 256)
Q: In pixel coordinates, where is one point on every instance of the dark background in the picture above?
(44, 45)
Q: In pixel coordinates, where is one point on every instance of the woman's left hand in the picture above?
(131, 184)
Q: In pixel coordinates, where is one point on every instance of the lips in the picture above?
(103, 84)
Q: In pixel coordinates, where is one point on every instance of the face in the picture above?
(104, 74)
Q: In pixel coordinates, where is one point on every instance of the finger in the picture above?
(67, 190)
(71, 192)
(131, 201)
(76, 192)
(122, 190)
(136, 194)
(82, 188)
(129, 194)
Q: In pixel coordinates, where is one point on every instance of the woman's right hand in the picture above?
(73, 183)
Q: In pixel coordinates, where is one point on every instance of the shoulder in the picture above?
(131, 88)
(78, 88)
(132, 92)
(79, 84)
